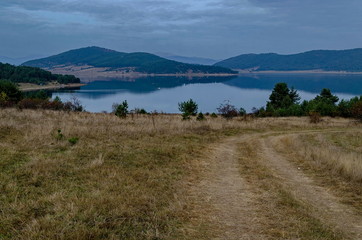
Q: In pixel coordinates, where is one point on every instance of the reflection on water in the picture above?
(164, 93)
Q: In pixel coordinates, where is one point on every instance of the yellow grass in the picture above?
(342, 156)
(123, 179)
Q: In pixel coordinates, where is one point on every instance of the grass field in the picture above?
(146, 177)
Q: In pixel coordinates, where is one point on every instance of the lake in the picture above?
(163, 94)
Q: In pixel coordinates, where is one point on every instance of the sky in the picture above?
(216, 29)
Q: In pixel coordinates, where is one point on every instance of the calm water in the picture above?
(164, 93)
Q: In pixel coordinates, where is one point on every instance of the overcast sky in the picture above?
(205, 28)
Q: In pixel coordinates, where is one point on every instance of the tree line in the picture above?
(283, 102)
(11, 96)
(24, 74)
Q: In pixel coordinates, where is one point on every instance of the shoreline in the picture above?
(299, 72)
(86, 73)
(28, 87)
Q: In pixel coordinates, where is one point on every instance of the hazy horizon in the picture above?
(216, 29)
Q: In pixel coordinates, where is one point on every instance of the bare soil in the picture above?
(237, 207)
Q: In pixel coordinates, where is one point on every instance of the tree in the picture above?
(324, 103)
(122, 109)
(282, 97)
(327, 96)
(11, 91)
(242, 112)
(188, 108)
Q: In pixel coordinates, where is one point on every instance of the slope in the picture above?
(326, 60)
(134, 62)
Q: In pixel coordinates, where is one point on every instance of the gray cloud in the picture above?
(209, 28)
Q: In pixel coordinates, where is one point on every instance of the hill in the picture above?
(25, 74)
(325, 60)
(190, 60)
(125, 62)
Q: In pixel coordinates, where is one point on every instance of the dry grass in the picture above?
(121, 180)
(322, 152)
(334, 159)
(124, 179)
(281, 214)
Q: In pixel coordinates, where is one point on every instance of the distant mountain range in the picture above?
(16, 61)
(323, 60)
(119, 62)
(190, 60)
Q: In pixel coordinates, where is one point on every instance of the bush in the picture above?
(28, 103)
(242, 112)
(73, 140)
(122, 109)
(213, 115)
(314, 117)
(41, 94)
(357, 110)
(76, 105)
(10, 92)
(139, 111)
(188, 108)
(200, 117)
(227, 110)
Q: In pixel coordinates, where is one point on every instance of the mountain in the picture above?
(324, 60)
(140, 62)
(190, 60)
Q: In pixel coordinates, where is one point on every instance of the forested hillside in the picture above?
(138, 61)
(327, 60)
(35, 75)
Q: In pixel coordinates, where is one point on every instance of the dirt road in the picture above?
(257, 193)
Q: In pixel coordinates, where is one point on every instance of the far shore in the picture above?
(299, 72)
(27, 87)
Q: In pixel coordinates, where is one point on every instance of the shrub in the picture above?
(73, 140)
(357, 110)
(139, 111)
(28, 103)
(314, 117)
(213, 115)
(185, 116)
(41, 94)
(52, 105)
(242, 112)
(188, 108)
(10, 91)
(227, 110)
(122, 109)
(200, 117)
